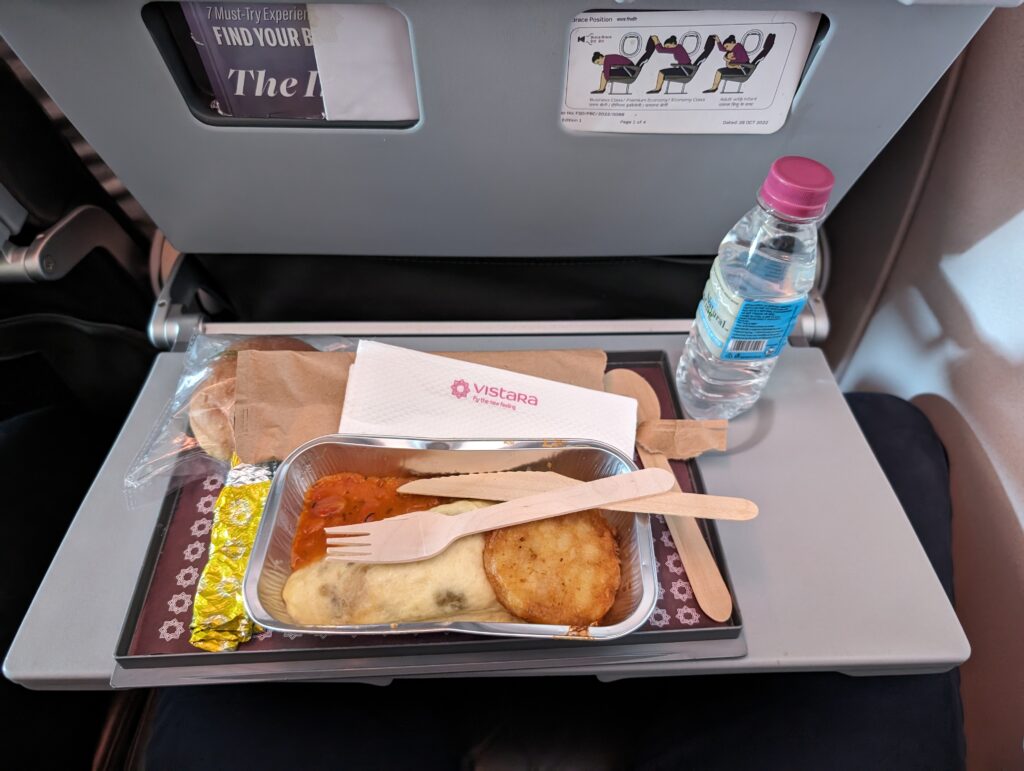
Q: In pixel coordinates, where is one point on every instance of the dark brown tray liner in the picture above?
(157, 628)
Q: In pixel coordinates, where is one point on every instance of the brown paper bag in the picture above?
(285, 398)
(584, 368)
(682, 439)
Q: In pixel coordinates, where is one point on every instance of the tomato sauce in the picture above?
(349, 499)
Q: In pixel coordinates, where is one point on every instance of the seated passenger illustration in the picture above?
(742, 74)
(671, 46)
(683, 70)
(615, 68)
(735, 57)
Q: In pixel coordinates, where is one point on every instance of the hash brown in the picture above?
(563, 570)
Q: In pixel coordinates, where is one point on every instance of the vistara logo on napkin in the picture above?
(492, 395)
(398, 392)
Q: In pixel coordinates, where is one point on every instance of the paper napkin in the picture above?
(398, 392)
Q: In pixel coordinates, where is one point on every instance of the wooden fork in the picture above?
(424, 534)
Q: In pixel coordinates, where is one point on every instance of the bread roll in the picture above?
(211, 409)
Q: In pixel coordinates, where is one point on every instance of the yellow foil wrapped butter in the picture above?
(219, 622)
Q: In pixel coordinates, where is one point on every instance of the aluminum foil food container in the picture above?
(270, 563)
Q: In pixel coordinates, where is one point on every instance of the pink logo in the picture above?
(482, 393)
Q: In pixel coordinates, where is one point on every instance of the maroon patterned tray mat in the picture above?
(162, 624)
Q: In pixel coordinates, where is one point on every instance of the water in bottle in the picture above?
(758, 285)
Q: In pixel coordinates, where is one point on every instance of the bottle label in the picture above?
(734, 328)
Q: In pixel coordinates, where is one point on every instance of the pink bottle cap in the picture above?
(798, 187)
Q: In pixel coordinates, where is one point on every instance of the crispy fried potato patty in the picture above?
(563, 570)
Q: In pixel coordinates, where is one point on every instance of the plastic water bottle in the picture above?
(758, 285)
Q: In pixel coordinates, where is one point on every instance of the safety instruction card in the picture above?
(685, 72)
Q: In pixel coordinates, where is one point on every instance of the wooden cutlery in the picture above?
(510, 485)
(421, 535)
(709, 588)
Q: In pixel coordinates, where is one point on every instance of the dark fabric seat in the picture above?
(49, 453)
(46, 177)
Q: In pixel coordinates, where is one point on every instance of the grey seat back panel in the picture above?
(489, 170)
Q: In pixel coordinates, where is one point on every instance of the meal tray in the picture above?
(155, 633)
(269, 566)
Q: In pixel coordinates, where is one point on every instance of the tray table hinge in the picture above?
(812, 324)
(174, 320)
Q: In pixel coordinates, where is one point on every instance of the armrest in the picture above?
(988, 580)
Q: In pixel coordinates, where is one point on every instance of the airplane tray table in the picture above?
(156, 632)
(829, 577)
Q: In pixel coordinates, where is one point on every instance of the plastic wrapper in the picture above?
(196, 427)
(219, 620)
